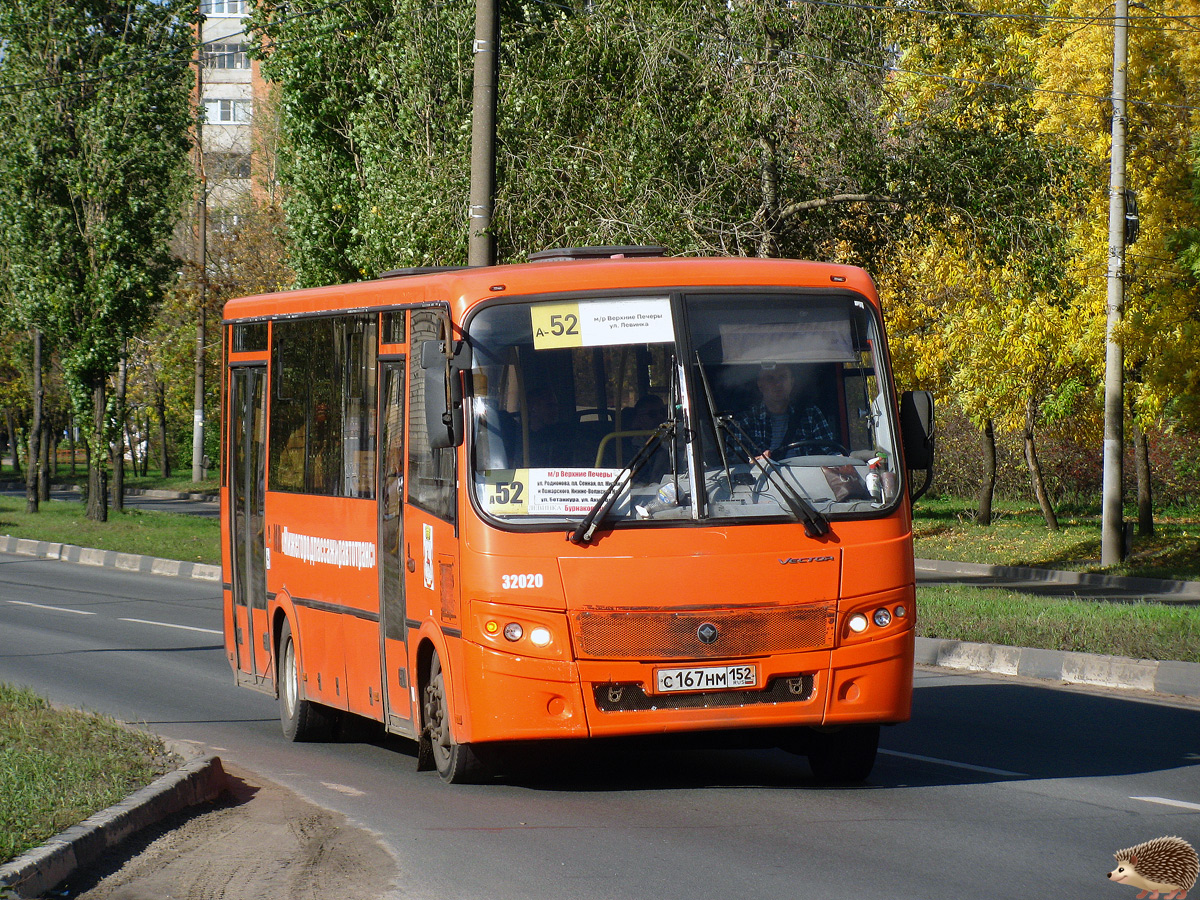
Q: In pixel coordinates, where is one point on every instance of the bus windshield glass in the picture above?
(768, 405)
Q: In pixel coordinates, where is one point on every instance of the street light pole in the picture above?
(201, 264)
(1112, 543)
(481, 249)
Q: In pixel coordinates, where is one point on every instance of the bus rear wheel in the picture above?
(302, 720)
(456, 763)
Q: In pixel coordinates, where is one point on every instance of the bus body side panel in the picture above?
(322, 554)
(433, 601)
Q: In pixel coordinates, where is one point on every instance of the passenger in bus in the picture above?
(780, 419)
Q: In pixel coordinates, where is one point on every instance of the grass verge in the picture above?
(993, 616)
(146, 532)
(1018, 536)
(57, 767)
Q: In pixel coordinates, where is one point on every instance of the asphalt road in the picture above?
(208, 508)
(997, 788)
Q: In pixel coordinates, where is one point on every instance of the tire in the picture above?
(302, 720)
(845, 755)
(456, 763)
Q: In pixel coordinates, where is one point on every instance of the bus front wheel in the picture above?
(302, 720)
(456, 763)
(843, 756)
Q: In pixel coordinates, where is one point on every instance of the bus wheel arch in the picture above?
(456, 763)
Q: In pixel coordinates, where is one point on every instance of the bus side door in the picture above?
(247, 483)
(392, 628)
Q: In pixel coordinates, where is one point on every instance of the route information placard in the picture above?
(602, 323)
(545, 492)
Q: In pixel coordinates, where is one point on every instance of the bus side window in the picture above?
(431, 474)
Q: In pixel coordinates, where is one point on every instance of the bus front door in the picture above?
(247, 483)
(392, 629)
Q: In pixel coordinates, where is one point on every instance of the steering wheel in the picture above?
(828, 446)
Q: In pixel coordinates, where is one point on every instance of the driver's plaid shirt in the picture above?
(805, 423)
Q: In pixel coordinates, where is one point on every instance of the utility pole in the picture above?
(1112, 539)
(201, 264)
(481, 250)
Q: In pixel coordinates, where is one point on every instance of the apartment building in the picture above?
(228, 94)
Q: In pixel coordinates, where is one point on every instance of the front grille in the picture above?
(661, 634)
(632, 697)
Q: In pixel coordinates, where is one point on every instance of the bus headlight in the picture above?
(513, 631)
(539, 636)
(858, 623)
(882, 618)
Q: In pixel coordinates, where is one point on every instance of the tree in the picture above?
(1161, 303)
(746, 127)
(978, 288)
(93, 173)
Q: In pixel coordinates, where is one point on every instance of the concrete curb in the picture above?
(1157, 676)
(129, 562)
(45, 867)
(1182, 590)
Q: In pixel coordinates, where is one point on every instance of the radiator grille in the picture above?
(632, 698)
(658, 634)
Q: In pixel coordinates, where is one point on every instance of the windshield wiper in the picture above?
(815, 524)
(587, 526)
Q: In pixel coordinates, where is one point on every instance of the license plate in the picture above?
(706, 678)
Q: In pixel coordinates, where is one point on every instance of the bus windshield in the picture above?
(764, 404)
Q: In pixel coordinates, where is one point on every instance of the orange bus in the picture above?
(605, 492)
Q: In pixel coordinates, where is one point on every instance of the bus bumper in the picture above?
(523, 698)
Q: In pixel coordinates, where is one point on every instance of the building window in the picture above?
(226, 56)
(227, 165)
(223, 7)
(228, 111)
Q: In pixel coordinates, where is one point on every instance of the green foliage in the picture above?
(93, 172)
(712, 127)
(59, 767)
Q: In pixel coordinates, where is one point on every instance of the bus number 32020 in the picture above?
(519, 582)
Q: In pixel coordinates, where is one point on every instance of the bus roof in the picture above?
(463, 288)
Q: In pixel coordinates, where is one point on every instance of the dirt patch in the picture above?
(260, 841)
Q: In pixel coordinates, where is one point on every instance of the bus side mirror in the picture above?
(443, 392)
(917, 432)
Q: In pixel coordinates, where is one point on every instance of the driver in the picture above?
(779, 419)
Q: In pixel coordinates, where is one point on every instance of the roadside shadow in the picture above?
(234, 793)
(959, 734)
(1026, 731)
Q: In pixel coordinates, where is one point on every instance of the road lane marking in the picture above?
(172, 625)
(957, 765)
(1167, 801)
(78, 612)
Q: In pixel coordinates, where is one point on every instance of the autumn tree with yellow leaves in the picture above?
(998, 297)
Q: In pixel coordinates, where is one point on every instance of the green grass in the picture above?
(945, 529)
(994, 616)
(146, 532)
(58, 767)
(1018, 536)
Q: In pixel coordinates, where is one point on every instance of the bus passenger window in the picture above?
(323, 414)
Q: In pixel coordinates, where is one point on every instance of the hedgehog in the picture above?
(1165, 865)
